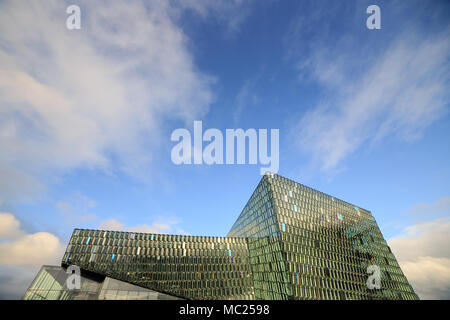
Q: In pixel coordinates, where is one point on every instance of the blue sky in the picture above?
(86, 118)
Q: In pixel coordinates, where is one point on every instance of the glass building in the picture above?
(289, 242)
(51, 284)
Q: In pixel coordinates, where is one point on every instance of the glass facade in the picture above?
(289, 242)
(187, 266)
(328, 244)
(259, 224)
(51, 284)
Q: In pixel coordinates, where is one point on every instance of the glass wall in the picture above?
(289, 242)
(186, 266)
(328, 245)
(258, 222)
(50, 284)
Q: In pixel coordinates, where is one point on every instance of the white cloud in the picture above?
(90, 98)
(20, 248)
(429, 276)
(368, 92)
(441, 206)
(36, 249)
(9, 226)
(424, 239)
(112, 225)
(22, 254)
(232, 12)
(423, 254)
(159, 226)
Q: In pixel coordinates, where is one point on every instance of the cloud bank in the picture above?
(93, 98)
(22, 254)
(424, 256)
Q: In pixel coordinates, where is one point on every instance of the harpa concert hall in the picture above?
(290, 242)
